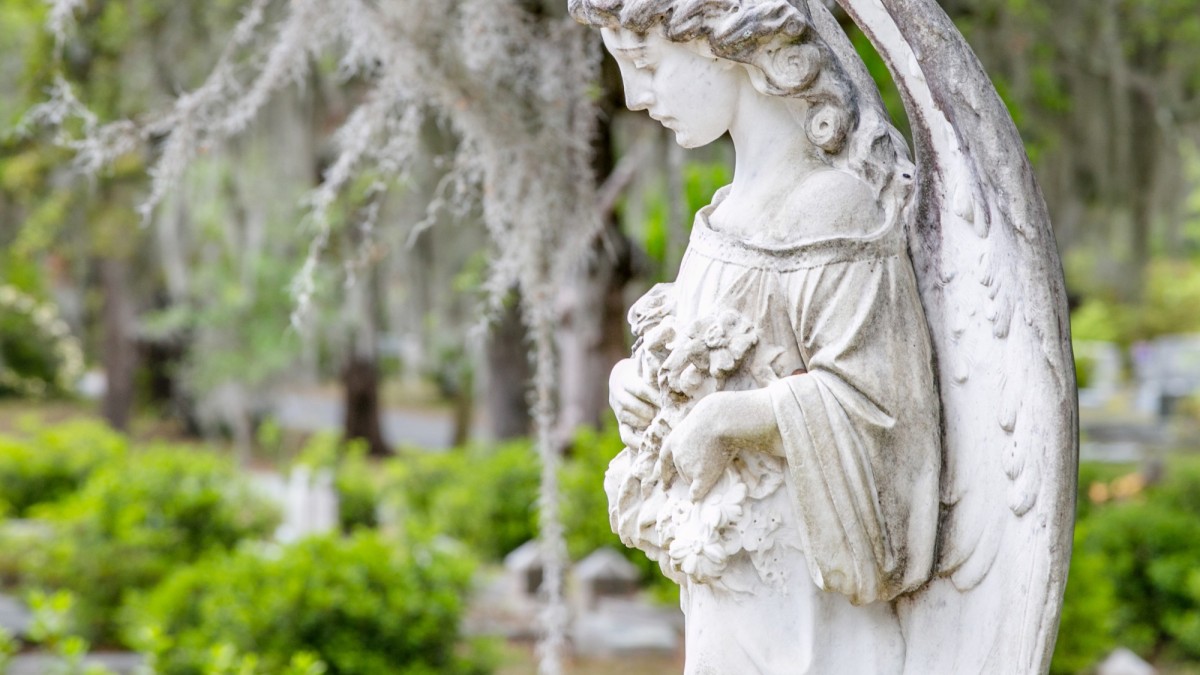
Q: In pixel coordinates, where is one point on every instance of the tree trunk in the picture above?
(592, 334)
(360, 374)
(360, 382)
(120, 350)
(1142, 180)
(509, 376)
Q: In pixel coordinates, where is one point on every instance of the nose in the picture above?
(638, 96)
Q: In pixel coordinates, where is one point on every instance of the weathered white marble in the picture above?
(309, 500)
(851, 420)
(1124, 662)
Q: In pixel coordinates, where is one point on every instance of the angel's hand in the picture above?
(633, 400)
(720, 425)
(697, 449)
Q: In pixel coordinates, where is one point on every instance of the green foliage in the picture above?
(237, 298)
(1093, 473)
(1135, 572)
(585, 506)
(224, 659)
(53, 462)
(8, 649)
(358, 489)
(1085, 633)
(1098, 320)
(1172, 294)
(133, 521)
(53, 629)
(1147, 547)
(358, 483)
(38, 356)
(484, 496)
(700, 182)
(363, 605)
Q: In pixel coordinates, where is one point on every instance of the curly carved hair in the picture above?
(775, 38)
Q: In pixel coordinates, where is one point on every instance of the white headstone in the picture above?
(524, 566)
(1124, 662)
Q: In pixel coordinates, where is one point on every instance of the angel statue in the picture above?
(851, 420)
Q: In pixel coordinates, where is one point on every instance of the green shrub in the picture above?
(361, 605)
(1148, 546)
(486, 497)
(585, 506)
(52, 628)
(133, 522)
(1085, 633)
(584, 503)
(357, 480)
(358, 489)
(38, 355)
(1180, 487)
(52, 463)
(1167, 306)
(1091, 473)
(1147, 549)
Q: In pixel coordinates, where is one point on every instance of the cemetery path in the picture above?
(315, 411)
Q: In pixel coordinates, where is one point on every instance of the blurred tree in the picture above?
(512, 81)
(93, 223)
(1107, 96)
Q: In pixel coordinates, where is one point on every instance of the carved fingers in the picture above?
(697, 448)
(633, 401)
(721, 425)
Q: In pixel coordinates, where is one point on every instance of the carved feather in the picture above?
(984, 254)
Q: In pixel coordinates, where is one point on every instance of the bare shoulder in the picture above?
(835, 203)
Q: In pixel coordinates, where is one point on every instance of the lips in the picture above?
(665, 120)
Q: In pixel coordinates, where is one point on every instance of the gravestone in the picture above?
(1168, 372)
(525, 568)
(1101, 364)
(605, 574)
(1124, 662)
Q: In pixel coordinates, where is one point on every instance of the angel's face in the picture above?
(689, 91)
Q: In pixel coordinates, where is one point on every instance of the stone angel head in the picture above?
(758, 69)
(727, 44)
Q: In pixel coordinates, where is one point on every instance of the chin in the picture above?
(690, 141)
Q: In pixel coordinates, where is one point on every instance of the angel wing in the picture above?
(992, 286)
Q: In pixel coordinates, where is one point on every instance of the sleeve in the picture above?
(861, 428)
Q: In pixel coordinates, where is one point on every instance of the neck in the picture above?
(771, 150)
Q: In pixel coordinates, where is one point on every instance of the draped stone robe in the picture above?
(861, 435)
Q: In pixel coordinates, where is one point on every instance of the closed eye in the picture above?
(636, 56)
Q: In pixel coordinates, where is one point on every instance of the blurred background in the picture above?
(269, 309)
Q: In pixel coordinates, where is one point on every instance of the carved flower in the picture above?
(654, 512)
(652, 440)
(696, 549)
(722, 507)
(651, 309)
(762, 474)
(713, 346)
(655, 345)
